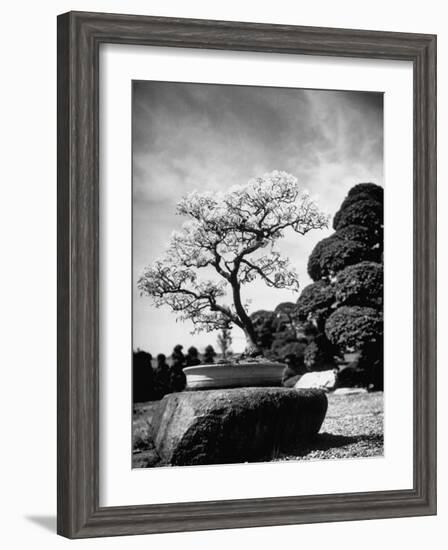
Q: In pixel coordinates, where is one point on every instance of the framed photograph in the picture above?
(246, 274)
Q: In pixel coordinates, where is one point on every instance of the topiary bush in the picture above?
(357, 233)
(332, 254)
(315, 302)
(360, 284)
(376, 192)
(343, 302)
(354, 327)
(363, 211)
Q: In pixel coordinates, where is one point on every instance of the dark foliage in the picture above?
(359, 234)
(293, 371)
(178, 380)
(360, 211)
(161, 377)
(178, 356)
(142, 377)
(331, 255)
(320, 353)
(372, 360)
(374, 191)
(264, 325)
(285, 317)
(315, 302)
(354, 327)
(360, 285)
(286, 308)
(290, 348)
(192, 357)
(353, 375)
(209, 355)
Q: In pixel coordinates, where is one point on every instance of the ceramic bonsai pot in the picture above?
(234, 375)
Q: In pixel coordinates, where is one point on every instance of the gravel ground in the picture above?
(353, 428)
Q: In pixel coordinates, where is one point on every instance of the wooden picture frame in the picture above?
(79, 38)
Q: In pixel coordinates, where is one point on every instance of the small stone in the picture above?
(325, 380)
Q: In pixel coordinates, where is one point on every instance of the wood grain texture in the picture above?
(79, 39)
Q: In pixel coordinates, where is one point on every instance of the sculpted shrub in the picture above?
(360, 284)
(366, 212)
(331, 255)
(354, 328)
(315, 302)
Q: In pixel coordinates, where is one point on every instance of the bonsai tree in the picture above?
(234, 235)
(225, 342)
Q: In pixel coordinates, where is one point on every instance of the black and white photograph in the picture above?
(257, 274)
(221, 268)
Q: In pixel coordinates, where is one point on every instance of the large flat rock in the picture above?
(235, 425)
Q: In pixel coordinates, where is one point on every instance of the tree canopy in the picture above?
(233, 233)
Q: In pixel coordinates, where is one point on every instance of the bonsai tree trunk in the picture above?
(252, 348)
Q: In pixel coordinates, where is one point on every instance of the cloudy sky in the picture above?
(209, 137)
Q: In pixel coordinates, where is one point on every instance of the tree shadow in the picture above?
(46, 522)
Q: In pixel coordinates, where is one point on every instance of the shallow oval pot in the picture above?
(234, 375)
